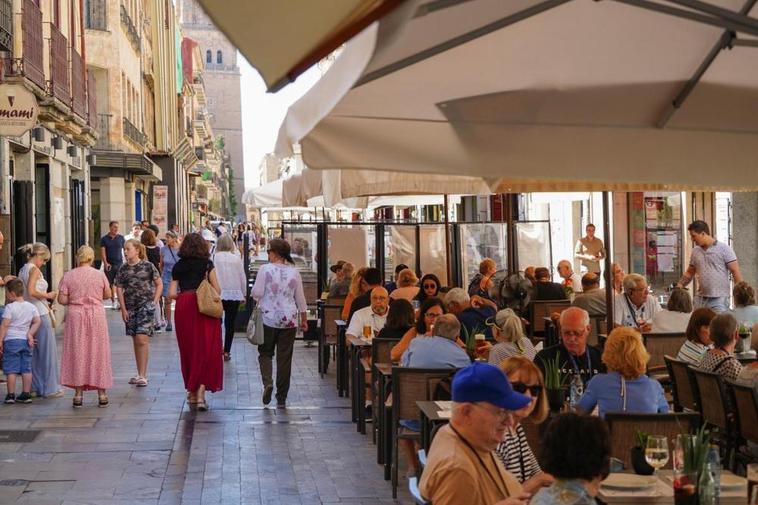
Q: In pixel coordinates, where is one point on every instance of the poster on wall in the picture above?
(160, 208)
(58, 240)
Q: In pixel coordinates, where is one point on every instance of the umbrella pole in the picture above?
(447, 239)
(608, 274)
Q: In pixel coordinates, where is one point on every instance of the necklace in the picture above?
(504, 489)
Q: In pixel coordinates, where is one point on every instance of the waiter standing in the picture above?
(590, 250)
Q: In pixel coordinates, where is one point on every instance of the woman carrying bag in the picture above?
(198, 335)
(279, 292)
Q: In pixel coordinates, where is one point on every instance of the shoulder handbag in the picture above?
(208, 299)
(255, 327)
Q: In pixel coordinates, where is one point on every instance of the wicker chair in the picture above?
(715, 407)
(409, 385)
(623, 427)
(331, 312)
(684, 390)
(540, 309)
(659, 345)
(745, 399)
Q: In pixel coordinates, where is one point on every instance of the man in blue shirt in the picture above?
(440, 350)
(472, 312)
(112, 253)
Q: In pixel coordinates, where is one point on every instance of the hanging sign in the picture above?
(18, 110)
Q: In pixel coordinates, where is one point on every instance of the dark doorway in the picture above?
(78, 231)
(42, 213)
(23, 215)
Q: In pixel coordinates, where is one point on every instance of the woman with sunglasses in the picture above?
(514, 450)
(430, 288)
(430, 310)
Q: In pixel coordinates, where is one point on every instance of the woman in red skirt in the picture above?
(198, 335)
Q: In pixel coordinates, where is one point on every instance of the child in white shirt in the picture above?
(19, 325)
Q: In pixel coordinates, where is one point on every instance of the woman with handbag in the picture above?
(279, 292)
(195, 288)
(231, 277)
(45, 356)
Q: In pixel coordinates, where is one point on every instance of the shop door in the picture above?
(78, 233)
(42, 213)
(138, 206)
(22, 217)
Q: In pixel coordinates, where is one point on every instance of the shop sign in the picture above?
(18, 110)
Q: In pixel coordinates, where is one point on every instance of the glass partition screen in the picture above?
(479, 241)
(533, 246)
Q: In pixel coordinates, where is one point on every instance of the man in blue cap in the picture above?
(462, 466)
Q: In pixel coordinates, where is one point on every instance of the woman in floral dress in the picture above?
(86, 362)
(278, 289)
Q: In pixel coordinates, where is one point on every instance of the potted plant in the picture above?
(469, 338)
(638, 455)
(690, 455)
(554, 381)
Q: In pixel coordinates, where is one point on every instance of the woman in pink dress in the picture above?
(86, 362)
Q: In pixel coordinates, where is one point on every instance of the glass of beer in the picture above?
(368, 331)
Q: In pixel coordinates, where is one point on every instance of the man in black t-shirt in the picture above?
(575, 355)
(112, 253)
(373, 278)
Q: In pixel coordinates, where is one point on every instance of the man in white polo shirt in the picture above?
(375, 315)
(711, 261)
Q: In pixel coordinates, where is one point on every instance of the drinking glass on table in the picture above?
(368, 331)
(657, 451)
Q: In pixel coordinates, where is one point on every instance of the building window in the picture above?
(208, 56)
(219, 57)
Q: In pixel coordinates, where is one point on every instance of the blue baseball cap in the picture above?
(482, 382)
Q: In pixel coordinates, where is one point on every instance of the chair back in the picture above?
(411, 385)
(659, 345)
(332, 312)
(685, 392)
(745, 401)
(415, 493)
(380, 349)
(713, 399)
(533, 433)
(623, 427)
(542, 309)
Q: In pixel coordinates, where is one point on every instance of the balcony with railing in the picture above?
(29, 64)
(60, 86)
(92, 119)
(6, 25)
(133, 133)
(103, 125)
(131, 31)
(78, 87)
(95, 15)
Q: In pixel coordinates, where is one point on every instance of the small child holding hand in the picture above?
(20, 323)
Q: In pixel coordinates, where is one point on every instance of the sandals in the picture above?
(134, 380)
(227, 356)
(102, 401)
(191, 398)
(141, 382)
(77, 403)
(202, 406)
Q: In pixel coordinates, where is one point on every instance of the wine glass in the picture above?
(657, 451)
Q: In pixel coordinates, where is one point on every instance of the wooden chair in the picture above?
(685, 392)
(715, 407)
(659, 345)
(380, 353)
(745, 400)
(623, 427)
(409, 385)
(598, 326)
(415, 493)
(331, 311)
(541, 309)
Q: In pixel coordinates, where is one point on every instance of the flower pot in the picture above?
(639, 463)
(555, 398)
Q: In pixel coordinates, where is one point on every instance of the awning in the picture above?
(283, 39)
(268, 195)
(546, 95)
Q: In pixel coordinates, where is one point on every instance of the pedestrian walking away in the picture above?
(169, 257)
(139, 289)
(278, 289)
(232, 280)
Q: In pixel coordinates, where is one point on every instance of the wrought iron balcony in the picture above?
(131, 31)
(60, 86)
(95, 15)
(78, 85)
(133, 133)
(92, 118)
(6, 25)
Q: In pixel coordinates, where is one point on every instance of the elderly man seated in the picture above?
(462, 467)
(592, 298)
(574, 354)
(570, 278)
(635, 307)
(473, 312)
(546, 289)
(439, 350)
(374, 316)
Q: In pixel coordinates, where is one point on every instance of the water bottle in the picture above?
(707, 493)
(576, 390)
(714, 466)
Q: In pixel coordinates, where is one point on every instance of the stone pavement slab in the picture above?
(149, 448)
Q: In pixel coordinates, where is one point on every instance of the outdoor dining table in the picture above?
(357, 347)
(432, 413)
(662, 492)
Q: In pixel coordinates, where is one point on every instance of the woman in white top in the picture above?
(278, 289)
(676, 316)
(231, 277)
(45, 356)
(509, 334)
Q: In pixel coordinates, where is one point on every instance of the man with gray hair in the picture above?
(635, 307)
(439, 350)
(472, 311)
(574, 355)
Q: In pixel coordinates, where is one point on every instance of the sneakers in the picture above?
(115, 305)
(267, 392)
(169, 327)
(24, 398)
(10, 399)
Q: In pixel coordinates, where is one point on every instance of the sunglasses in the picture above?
(522, 388)
(430, 286)
(432, 315)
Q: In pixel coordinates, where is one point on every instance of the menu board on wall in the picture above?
(160, 208)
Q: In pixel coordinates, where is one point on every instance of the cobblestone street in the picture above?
(149, 448)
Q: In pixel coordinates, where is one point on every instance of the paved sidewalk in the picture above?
(149, 448)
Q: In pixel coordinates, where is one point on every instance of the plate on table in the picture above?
(730, 481)
(629, 481)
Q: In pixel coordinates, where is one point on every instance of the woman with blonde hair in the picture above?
(45, 356)
(230, 272)
(625, 388)
(508, 332)
(514, 450)
(357, 287)
(407, 285)
(482, 282)
(139, 287)
(86, 361)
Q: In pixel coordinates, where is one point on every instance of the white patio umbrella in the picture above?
(546, 95)
(267, 195)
